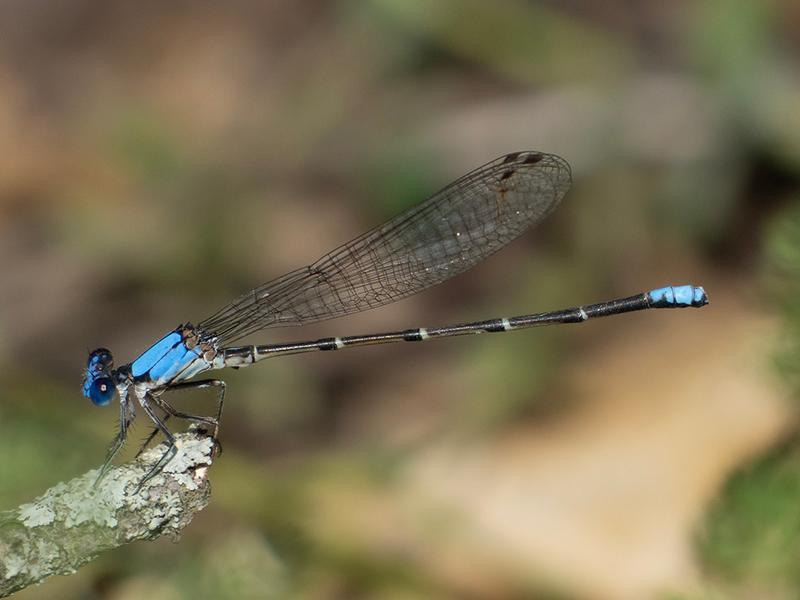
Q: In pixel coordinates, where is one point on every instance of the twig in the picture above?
(73, 522)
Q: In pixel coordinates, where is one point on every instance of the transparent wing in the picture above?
(446, 234)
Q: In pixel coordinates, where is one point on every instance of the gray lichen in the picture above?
(73, 522)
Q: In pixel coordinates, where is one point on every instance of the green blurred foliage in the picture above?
(784, 281)
(511, 39)
(752, 535)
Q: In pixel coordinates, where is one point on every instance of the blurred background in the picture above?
(159, 159)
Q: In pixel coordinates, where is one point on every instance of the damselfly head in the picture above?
(98, 384)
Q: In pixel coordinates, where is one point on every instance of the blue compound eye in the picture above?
(100, 360)
(102, 391)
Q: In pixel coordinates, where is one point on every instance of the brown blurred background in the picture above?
(158, 159)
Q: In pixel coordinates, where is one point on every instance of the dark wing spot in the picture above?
(511, 157)
(532, 158)
(507, 174)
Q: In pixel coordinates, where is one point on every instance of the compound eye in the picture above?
(100, 360)
(102, 391)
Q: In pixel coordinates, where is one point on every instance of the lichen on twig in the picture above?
(74, 521)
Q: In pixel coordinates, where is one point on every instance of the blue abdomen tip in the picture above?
(678, 296)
